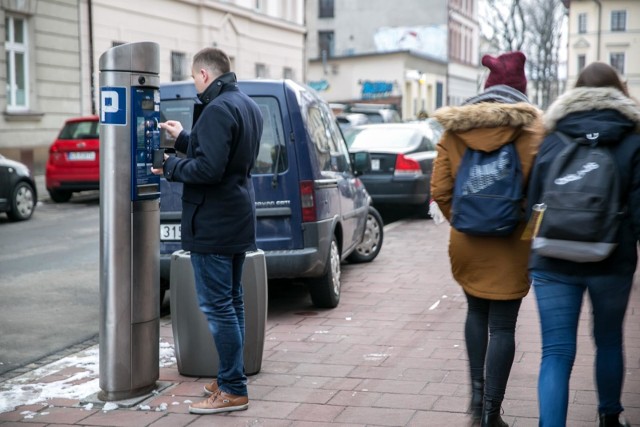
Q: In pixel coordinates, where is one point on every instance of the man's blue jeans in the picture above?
(219, 287)
(559, 298)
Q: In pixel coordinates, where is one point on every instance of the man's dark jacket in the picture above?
(615, 118)
(218, 202)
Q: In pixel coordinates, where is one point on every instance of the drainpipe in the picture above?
(91, 65)
(599, 27)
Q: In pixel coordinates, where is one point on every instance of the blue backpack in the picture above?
(488, 192)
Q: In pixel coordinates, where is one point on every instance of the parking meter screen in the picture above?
(147, 104)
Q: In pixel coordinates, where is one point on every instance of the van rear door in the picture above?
(275, 177)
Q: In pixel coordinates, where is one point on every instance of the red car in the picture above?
(74, 159)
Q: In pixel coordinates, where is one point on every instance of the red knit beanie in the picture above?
(506, 69)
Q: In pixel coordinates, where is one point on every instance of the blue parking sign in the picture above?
(113, 106)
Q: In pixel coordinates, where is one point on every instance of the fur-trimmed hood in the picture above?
(590, 99)
(489, 125)
(486, 115)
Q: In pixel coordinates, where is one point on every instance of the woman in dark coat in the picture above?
(598, 106)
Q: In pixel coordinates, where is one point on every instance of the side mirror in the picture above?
(361, 161)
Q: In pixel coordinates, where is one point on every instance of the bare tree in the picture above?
(505, 26)
(535, 28)
(543, 35)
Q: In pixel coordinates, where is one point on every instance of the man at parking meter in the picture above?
(218, 213)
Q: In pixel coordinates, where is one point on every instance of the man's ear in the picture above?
(205, 75)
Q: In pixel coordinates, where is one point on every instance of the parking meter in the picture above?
(129, 221)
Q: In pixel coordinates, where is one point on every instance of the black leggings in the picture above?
(489, 333)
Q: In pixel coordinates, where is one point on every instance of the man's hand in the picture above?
(159, 171)
(172, 127)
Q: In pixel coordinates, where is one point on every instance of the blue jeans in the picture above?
(559, 298)
(219, 287)
(490, 339)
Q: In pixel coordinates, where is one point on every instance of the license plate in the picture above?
(82, 155)
(170, 232)
(375, 164)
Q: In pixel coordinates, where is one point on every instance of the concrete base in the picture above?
(125, 403)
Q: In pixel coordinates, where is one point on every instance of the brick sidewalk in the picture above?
(391, 354)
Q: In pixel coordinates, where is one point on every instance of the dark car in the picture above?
(402, 156)
(74, 159)
(18, 194)
(312, 210)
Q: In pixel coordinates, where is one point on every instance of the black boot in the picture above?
(491, 415)
(612, 421)
(477, 396)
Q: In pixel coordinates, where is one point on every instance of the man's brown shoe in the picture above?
(211, 388)
(220, 402)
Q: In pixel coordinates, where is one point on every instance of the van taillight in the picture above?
(307, 199)
(405, 165)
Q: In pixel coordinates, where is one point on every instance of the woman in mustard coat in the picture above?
(491, 270)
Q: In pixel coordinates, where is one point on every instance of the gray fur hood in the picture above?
(582, 99)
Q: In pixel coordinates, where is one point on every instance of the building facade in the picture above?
(416, 55)
(606, 31)
(50, 69)
(465, 73)
(39, 75)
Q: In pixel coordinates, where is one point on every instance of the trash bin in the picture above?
(194, 348)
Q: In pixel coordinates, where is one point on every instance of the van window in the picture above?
(273, 150)
(327, 139)
(180, 110)
(271, 145)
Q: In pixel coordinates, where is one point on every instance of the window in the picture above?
(326, 9)
(618, 20)
(439, 94)
(331, 151)
(80, 130)
(17, 63)
(582, 61)
(176, 109)
(582, 23)
(617, 61)
(287, 73)
(179, 68)
(261, 70)
(325, 43)
(272, 154)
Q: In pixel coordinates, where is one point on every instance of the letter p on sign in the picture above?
(113, 104)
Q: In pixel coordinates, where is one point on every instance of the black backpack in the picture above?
(581, 207)
(488, 192)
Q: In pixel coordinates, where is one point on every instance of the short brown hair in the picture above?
(212, 59)
(599, 74)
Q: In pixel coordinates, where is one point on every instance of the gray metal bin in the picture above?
(195, 351)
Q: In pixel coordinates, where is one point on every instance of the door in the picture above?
(275, 180)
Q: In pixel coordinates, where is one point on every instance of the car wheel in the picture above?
(371, 243)
(22, 202)
(60, 196)
(325, 291)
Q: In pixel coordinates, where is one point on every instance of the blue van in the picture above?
(312, 210)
